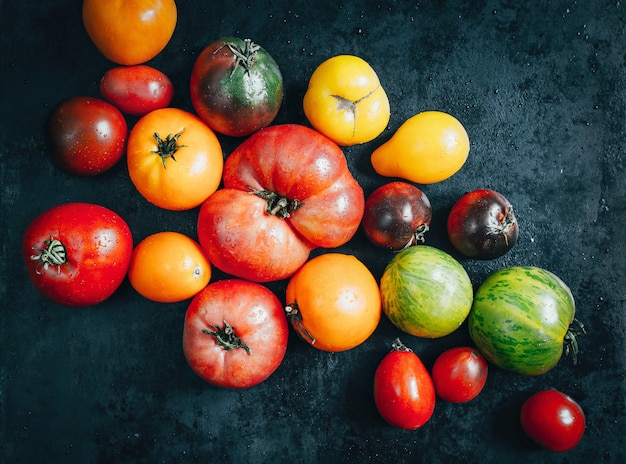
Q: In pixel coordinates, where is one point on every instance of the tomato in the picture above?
(482, 225)
(235, 333)
(426, 292)
(168, 267)
(345, 101)
(553, 420)
(403, 389)
(131, 31)
(427, 148)
(136, 90)
(397, 215)
(287, 190)
(86, 136)
(521, 317)
(333, 302)
(236, 86)
(77, 254)
(459, 374)
(174, 160)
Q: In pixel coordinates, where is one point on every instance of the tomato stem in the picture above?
(166, 148)
(397, 345)
(53, 253)
(226, 337)
(571, 343)
(418, 236)
(277, 205)
(244, 57)
(295, 318)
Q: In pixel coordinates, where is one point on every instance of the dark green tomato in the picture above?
(236, 87)
(520, 319)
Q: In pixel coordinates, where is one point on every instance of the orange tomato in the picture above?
(168, 267)
(174, 160)
(130, 31)
(333, 302)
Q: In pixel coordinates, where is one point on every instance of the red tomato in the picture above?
(553, 420)
(77, 254)
(136, 90)
(86, 136)
(235, 333)
(459, 374)
(287, 190)
(403, 389)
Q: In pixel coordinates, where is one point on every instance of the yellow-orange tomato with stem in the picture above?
(333, 302)
(346, 102)
(427, 148)
(130, 32)
(168, 267)
(174, 160)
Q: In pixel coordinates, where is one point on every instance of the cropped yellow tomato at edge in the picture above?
(427, 148)
(174, 159)
(168, 267)
(130, 31)
(346, 102)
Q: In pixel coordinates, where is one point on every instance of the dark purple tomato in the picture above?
(397, 215)
(482, 224)
(86, 136)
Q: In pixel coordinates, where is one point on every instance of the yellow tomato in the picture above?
(130, 31)
(346, 102)
(334, 302)
(168, 267)
(427, 148)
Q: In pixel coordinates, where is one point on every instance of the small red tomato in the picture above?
(86, 136)
(553, 420)
(77, 254)
(235, 333)
(403, 389)
(397, 215)
(459, 374)
(137, 90)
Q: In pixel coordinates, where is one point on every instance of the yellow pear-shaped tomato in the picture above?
(346, 102)
(427, 148)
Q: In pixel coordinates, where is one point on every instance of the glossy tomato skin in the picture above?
(403, 389)
(459, 374)
(553, 420)
(136, 90)
(304, 181)
(251, 324)
(236, 87)
(86, 136)
(482, 224)
(90, 262)
(130, 32)
(396, 215)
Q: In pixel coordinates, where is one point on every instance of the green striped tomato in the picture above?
(520, 319)
(426, 292)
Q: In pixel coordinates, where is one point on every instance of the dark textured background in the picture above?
(539, 87)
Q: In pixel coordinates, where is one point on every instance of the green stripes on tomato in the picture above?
(520, 319)
(426, 292)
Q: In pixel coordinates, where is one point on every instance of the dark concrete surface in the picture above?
(540, 87)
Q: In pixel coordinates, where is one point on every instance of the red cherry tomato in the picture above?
(235, 333)
(86, 136)
(136, 90)
(553, 420)
(77, 254)
(459, 374)
(403, 389)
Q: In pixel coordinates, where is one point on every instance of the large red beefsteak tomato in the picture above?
(287, 190)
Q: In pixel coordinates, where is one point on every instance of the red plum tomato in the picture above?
(77, 254)
(397, 215)
(86, 136)
(459, 374)
(403, 389)
(235, 333)
(136, 90)
(482, 225)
